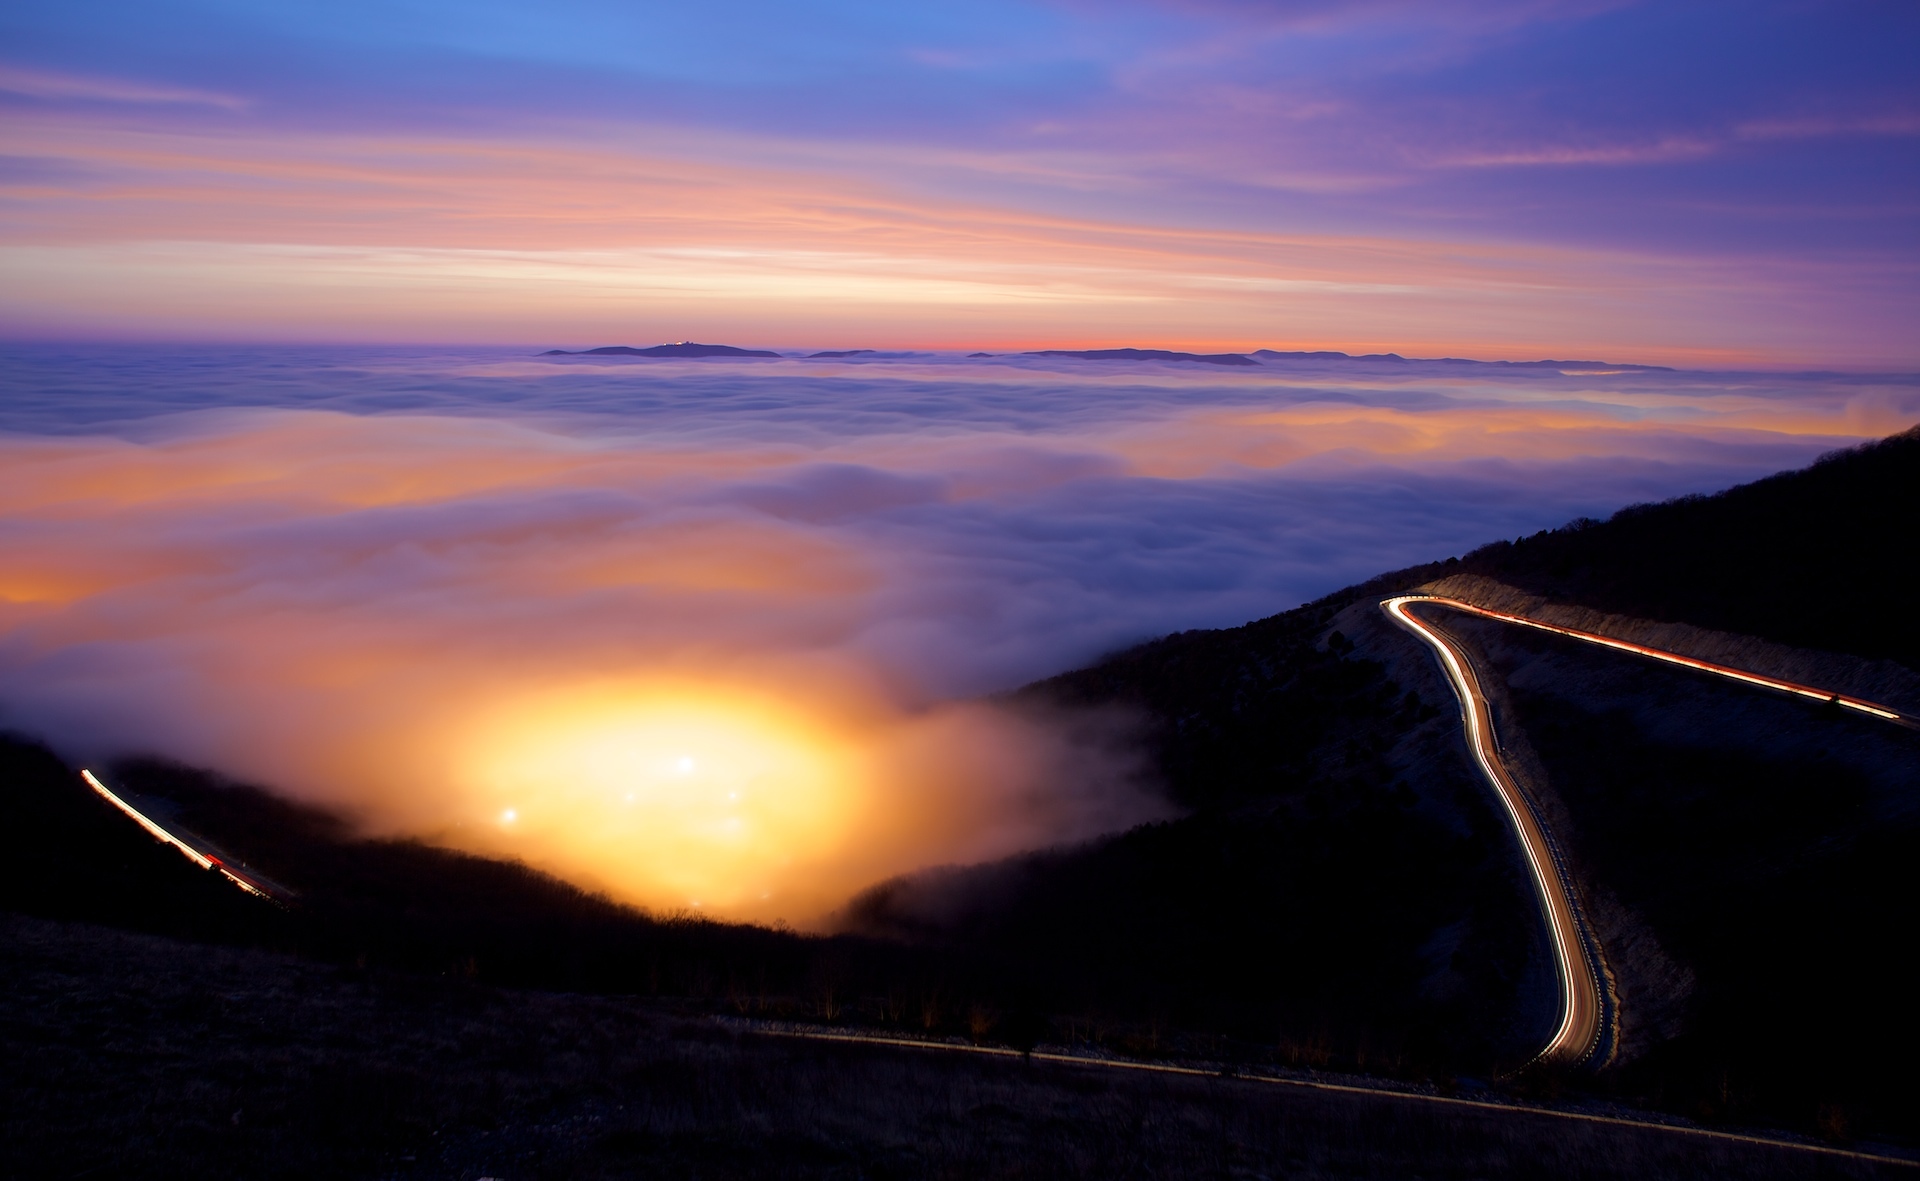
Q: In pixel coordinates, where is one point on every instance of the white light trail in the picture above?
(1854, 703)
(1582, 1008)
(188, 851)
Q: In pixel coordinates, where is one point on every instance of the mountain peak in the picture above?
(684, 348)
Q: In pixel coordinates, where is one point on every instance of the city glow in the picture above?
(682, 794)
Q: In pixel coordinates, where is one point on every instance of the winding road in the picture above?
(1586, 1012)
(1589, 1020)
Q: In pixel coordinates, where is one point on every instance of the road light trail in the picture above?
(1585, 1015)
(188, 851)
(1857, 704)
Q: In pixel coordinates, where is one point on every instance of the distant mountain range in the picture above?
(1396, 358)
(685, 348)
(690, 349)
(1144, 355)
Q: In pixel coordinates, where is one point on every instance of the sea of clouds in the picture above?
(346, 572)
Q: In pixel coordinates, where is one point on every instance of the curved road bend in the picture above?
(1584, 1015)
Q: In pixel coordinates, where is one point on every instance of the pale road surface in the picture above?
(1587, 1018)
(1585, 1015)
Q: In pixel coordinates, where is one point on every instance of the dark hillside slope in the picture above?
(1819, 558)
(1306, 941)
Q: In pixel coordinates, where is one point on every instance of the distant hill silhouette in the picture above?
(1396, 358)
(685, 348)
(1143, 355)
(691, 349)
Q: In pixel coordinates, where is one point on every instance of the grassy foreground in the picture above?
(130, 1055)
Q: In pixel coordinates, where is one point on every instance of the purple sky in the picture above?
(1724, 183)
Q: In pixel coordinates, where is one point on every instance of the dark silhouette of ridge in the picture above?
(842, 353)
(1143, 355)
(685, 348)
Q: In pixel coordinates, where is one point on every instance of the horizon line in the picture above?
(1690, 361)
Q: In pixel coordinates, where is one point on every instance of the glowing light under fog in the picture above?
(682, 795)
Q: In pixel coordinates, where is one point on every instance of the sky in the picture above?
(1705, 184)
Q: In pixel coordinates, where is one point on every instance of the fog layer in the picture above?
(707, 634)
